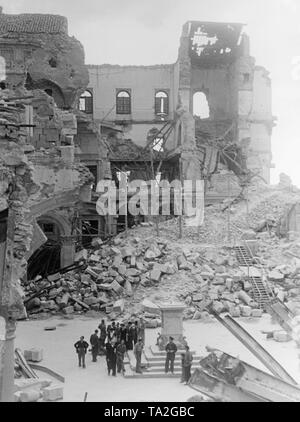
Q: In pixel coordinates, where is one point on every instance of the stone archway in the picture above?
(58, 251)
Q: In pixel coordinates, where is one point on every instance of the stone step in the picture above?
(156, 352)
(161, 368)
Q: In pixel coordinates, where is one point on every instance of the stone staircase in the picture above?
(153, 364)
(261, 293)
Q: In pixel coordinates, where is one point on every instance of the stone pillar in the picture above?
(172, 318)
(67, 254)
(8, 353)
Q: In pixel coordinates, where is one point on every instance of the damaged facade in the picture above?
(88, 123)
(45, 64)
(214, 99)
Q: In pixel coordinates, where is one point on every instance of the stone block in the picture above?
(81, 255)
(122, 269)
(128, 288)
(68, 310)
(28, 396)
(235, 312)
(34, 355)
(115, 286)
(155, 274)
(281, 336)
(127, 251)
(152, 252)
(92, 300)
(218, 307)
(132, 272)
(150, 307)
(64, 300)
(256, 313)
(245, 311)
(119, 306)
(182, 263)
(53, 393)
(276, 276)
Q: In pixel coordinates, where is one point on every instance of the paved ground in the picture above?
(59, 355)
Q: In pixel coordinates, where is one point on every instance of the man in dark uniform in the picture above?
(129, 337)
(94, 340)
(187, 363)
(118, 332)
(138, 350)
(135, 331)
(81, 348)
(171, 350)
(123, 333)
(111, 358)
(121, 350)
(102, 328)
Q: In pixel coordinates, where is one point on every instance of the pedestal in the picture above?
(172, 317)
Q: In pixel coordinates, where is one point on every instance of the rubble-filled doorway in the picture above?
(47, 259)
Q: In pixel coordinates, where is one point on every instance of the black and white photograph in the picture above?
(149, 204)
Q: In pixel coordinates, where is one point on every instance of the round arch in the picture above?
(200, 105)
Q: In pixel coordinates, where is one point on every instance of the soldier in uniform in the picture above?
(81, 347)
(171, 350)
(121, 350)
(94, 340)
(111, 358)
(138, 349)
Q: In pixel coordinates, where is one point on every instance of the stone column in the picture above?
(8, 353)
(67, 254)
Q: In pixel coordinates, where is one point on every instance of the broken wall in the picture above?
(142, 82)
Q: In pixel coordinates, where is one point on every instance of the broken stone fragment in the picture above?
(132, 272)
(182, 263)
(115, 286)
(218, 307)
(150, 307)
(245, 311)
(244, 298)
(53, 393)
(256, 313)
(81, 255)
(29, 396)
(153, 252)
(128, 288)
(281, 336)
(33, 355)
(276, 276)
(119, 306)
(155, 274)
(69, 310)
(235, 312)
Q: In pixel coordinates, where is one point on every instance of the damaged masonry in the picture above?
(64, 127)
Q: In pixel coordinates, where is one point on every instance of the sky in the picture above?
(143, 32)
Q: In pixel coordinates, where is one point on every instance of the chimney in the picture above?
(1, 10)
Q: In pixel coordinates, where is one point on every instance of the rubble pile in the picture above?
(281, 260)
(138, 266)
(242, 219)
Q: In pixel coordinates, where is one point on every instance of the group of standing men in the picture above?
(113, 342)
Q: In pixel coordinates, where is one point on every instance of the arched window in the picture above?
(161, 103)
(123, 102)
(200, 105)
(86, 102)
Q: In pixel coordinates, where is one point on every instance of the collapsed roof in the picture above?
(212, 42)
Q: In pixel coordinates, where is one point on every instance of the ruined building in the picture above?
(208, 116)
(212, 109)
(43, 68)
